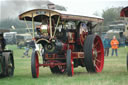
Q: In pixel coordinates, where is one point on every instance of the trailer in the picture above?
(10, 37)
(23, 40)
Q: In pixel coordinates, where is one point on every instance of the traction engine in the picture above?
(71, 47)
(6, 58)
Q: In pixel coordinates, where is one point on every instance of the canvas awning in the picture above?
(40, 14)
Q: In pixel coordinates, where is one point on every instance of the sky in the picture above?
(91, 6)
(12, 8)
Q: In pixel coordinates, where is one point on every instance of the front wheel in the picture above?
(35, 64)
(94, 53)
(69, 62)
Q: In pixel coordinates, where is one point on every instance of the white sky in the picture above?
(90, 6)
(81, 6)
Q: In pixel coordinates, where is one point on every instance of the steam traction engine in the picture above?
(124, 13)
(6, 58)
(68, 43)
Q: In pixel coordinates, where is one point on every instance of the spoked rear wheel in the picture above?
(35, 64)
(94, 53)
(69, 62)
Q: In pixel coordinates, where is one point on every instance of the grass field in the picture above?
(114, 72)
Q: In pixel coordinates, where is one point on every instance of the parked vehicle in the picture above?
(10, 37)
(118, 35)
(6, 58)
(120, 28)
(23, 40)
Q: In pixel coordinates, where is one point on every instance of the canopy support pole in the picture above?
(27, 26)
(56, 25)
(33, 26)
(50, 23)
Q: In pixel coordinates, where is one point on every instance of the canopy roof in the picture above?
(40, 14)
(124, 12)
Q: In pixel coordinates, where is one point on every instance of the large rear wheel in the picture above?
(69, 62)
(9, 63)
(94, 53)
(35, 64)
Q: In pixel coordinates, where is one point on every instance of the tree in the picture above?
(96, 13)
(111, 14)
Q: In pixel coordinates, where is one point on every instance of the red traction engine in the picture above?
(68, 43)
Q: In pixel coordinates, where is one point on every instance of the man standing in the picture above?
(114, 45)
(106, 43)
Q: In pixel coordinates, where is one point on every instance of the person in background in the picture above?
(26, 52)
(114, 44)
(106, 43)
(32, 45)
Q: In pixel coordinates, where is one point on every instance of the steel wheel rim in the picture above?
(37, 65)
(72, 65)
(10, 67)
(98, 54)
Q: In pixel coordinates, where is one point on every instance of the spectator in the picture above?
(106, 43)
(26, 51)
(114, 45)
(32, 45)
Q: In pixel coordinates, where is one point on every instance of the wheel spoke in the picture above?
(62, 70)
(98, 60)
(95, 44)
(94, 62)
(36, 66)
(99, 51)
(97, 67)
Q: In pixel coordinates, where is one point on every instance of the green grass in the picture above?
(114, 72)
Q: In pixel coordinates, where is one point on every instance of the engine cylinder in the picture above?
(54, 47)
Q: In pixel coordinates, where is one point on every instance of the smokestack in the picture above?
(51, 6)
